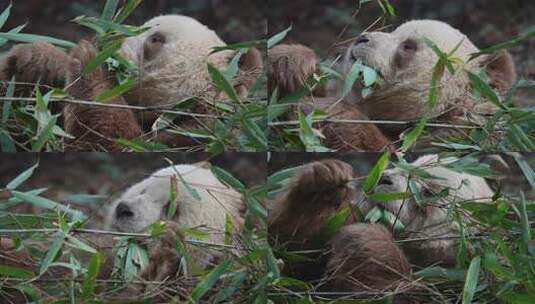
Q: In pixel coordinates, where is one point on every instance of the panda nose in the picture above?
(362, 39)
(123, 211)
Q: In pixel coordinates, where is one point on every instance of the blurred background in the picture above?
(234, 20)
(319, 23)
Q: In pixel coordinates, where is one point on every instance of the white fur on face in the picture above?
(381, 50)
(435, 220)
(179, 70)
(147, 201)
(420, 219)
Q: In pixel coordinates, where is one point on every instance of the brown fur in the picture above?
(289, 67)
(403, 93)
(362, 257)
(315, 194)
(95, 128)
(98, 128)
(39, 62)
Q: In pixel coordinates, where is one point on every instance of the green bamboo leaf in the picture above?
(526, 169)
(30, 38)
(369, 75)
(472, 278)
(102, 56)
(126, 10)
(101, 26)
(387, 7)
(375, 174)
(76, 243)
(434, 88)
(139, 145)
(109, 10)
(280, 178)
(485, 90)
(388, 197)
(271, 261)
(454, 275)
(117, 91)
(524, 219)
(278, 37)
(238, 280)
(351, 77)
(190, 190)
(45, 134)
(255, 134)
(21, 178)
(241, 45)
(413, 135)
(335, 223)
(171, 210)
(45, 203)
(527, 34)
(222, 83)
(53, 250)
(233, 66)
(229, 229)
(5, 14)
(88, 286)
(209, 281)
(15, 272)
(15, 30)
(7, 143)
(227, 178)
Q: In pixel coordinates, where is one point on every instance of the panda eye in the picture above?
(425, 193)
(153, 45)
(157, 38)
(410, 45)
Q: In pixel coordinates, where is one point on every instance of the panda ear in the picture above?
(500, 68)
(203, 164)
(251, 65)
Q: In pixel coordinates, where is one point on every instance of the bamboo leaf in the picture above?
(413, 135)
(171, 210)
(126, 10)
(222, 83)
(472, 278)
(257, 136)
(375, 174)
(53, 250)
(88, 286)
(21, 178)
(15, 272)
(388, 197)
(117, 91)
(278, 37)
(351, 77)
(227, 178)
(109, 10)
(31, 38)
(485, 90)
(209, 281)
(102, 56)
(529, 33)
